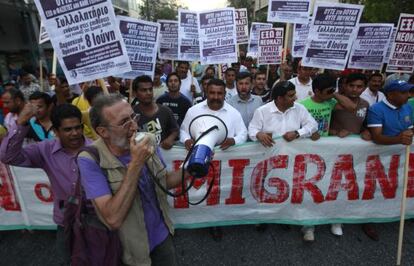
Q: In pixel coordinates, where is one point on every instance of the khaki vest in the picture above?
(133, 233)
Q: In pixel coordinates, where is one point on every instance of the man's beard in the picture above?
(120, 142)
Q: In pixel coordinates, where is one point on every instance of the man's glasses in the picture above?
(126, 124)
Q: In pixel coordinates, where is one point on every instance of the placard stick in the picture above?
(220, 71)
(172, 66)
(40, 75)
(286, 43)
(54, 63)
(403, 203)
(267, 72)
(130, 91)
(103, 86)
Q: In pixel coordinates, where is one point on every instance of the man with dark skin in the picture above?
(260, 89)
(372, 94)
(14, 101)
(189, 85)
(154, 118)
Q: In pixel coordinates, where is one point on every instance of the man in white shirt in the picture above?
(372, 94)
(215, 105)
(303, 82)
(282, 117)
(230, 78)
(189, 84)
(14, 100)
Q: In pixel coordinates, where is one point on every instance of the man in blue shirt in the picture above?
(390, 121)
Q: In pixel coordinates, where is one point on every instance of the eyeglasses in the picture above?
(69, 129)
(126, 124)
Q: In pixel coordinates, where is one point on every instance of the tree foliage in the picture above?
(248, 4)
(153, 10)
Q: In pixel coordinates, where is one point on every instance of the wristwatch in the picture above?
(297, 134)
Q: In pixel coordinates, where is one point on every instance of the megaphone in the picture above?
(208, 131)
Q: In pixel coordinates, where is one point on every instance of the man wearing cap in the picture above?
(390, 122)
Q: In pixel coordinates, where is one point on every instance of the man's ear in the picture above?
(102, 131)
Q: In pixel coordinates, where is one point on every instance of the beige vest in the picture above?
(133, 233)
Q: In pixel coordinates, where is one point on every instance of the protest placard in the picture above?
(253, 47)
(288, 11)
(188, 41)
(332, 31)
(370, 46)
(217, 33)
(86, 38)
(43, 37)
(300, 37)
(141, 41)
(390, 44)
(301, 182)
(270, 46)
(168, 48)
(402, 52)
(242, 26)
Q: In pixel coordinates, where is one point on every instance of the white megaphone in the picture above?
(212, 131)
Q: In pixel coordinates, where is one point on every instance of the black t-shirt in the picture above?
(161, 124)
(179, 106)
(265, 95)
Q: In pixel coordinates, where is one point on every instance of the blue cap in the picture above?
(398, 85)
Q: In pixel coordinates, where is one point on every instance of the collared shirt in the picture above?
(393, 120)
(372, 98)
(302, 90)
(230, 116)
(185, 88)
(269, 119)
(246, 108)
(59, 165)
(230, 93)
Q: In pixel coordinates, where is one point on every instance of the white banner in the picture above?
(288, 11)
(402, 53)
(86, 38)
(270, 46)
(370, 46)
(300, 37)
(332, 31)
(242, 26)
(301, 182)
(141, 41)
(390, 45)
(217, 33)
(188, 41)
(253, 47)
(168, 47)
(43, 37)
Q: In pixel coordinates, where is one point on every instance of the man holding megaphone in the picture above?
(121, 183)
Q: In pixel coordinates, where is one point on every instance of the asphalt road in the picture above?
(243, 245)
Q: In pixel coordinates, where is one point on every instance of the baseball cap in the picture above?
(398, 85)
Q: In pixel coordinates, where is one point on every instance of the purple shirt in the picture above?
(59, 165)
(96, 185)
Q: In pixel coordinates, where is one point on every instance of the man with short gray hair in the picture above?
(122, 186)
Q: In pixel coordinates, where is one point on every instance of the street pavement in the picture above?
(243, 245)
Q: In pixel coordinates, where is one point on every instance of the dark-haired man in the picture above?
(281, 117)
(189, 85)
(372, 93)
(28, 86)
(260, 87)
(244, 101)
(14, 101)
(303, 82)
(174, 99)
(346, 122)
(40, 124)
(56, 157)
(230, 78)
(154, 118)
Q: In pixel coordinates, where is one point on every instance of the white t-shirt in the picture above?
(302, 90)
(371, 98)
(230, 116)
(185, 88)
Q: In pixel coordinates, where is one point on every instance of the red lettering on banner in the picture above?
(214, 196)
(237, 181)
(257, 186)
(375, 170)
(410, 185)
(343, 166)
(8, 198)
(299, 173)
(39, 192)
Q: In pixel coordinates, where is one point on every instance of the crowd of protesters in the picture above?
(47, 126)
